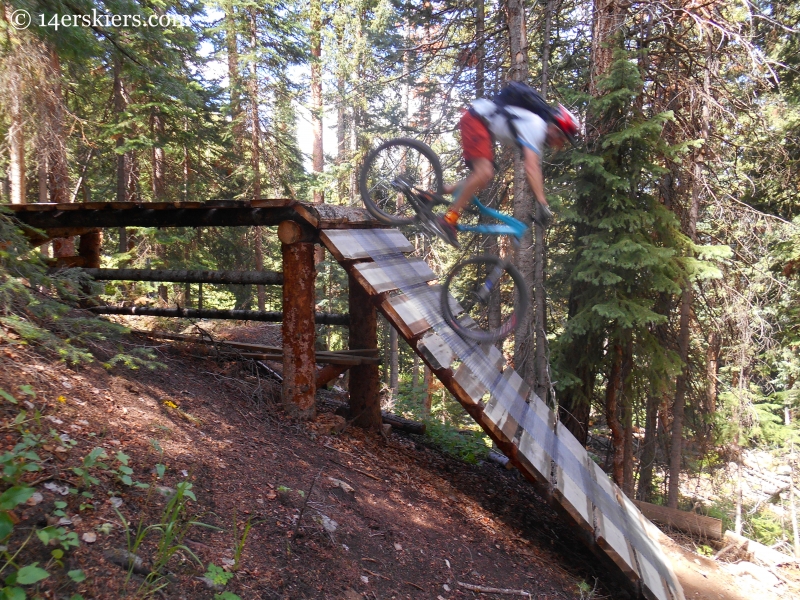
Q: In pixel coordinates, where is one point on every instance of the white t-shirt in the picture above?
(531, 128)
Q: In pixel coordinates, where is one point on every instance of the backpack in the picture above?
(523, 96)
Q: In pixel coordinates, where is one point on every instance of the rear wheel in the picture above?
(395, 165)
(490, 292)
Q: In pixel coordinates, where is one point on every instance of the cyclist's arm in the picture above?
(533, 171)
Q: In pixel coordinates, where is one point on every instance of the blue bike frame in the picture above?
(508, 225)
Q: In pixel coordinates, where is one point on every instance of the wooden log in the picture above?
(184, 276)
(365, 403)
(299, 374)
(708, 527)
(290, 232)
(154, 214)
(213, 313)
(89, 246)
(220, 213)
(759, 551)
(402, 424)
(328, 373)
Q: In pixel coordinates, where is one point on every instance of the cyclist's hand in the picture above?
(543, 215)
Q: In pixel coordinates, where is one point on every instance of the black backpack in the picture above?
(523, 96)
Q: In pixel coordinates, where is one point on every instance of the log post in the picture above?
(89, 245)
(299, 373)
(365, 402)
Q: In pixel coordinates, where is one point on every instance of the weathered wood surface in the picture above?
(708, 527)
(532, 455)
(218, 213)
(383, 280)
(211, 313)
(344, 246)
(185, 276)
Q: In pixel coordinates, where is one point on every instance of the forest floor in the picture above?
(333, 512)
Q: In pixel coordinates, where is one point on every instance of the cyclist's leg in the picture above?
(478, 151)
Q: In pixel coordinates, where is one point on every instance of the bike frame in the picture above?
(508, 225)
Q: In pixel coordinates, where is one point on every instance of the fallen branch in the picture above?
(491, 590)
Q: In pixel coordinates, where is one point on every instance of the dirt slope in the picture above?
(334, 514)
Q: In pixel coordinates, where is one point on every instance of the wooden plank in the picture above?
(410, 309)
(516, 388)
(504, 424)
(344, 245)
(567, 491)
(436, 351)
(608, 536)
(531, 451)
(384, 280)
(656, 586)
(473, 390)
(682, 520)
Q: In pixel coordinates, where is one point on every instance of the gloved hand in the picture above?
(543, 215)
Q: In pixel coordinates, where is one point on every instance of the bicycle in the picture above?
(400, 184)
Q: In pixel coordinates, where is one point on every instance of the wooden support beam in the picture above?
(365, 401)
(211, 313)
(184, 276)
(220, 213)
(330, 372)
(299, 334)
(89, 246)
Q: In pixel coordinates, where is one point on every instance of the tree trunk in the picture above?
(159, 160)
(613, 389)
(394, 360)
(255, 138)
(648, 456)
(60, 189)
(122, 177)
(234, 79)
(480, 50)
(627, 418)
(541, 367)
(317, 155)
(41, 176)
(676, 438)
(16, 136)
(607, 19)
(427, 382)
(523, 199)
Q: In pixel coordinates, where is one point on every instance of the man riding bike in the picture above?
(517, 115)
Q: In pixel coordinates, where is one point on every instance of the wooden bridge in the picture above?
(382, 278)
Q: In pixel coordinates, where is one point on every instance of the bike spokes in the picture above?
(489, 291)
(392, 173)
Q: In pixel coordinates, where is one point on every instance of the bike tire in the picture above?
(374, 181)
(479, 331)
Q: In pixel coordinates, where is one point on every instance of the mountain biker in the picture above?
(517, 115)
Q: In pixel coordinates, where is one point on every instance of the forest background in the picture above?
(666, 313)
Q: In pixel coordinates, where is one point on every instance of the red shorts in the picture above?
(476, 141)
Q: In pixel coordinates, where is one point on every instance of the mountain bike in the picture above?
(401, 184)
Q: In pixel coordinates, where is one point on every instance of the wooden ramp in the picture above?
(521, 425)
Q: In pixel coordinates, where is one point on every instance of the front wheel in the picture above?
(392, 168)
(491, 293)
